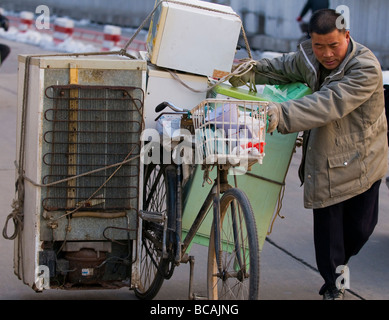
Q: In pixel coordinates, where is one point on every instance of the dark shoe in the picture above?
(333, 294)
(387, 181)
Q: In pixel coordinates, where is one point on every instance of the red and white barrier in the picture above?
(111, 37)
(63, 29)
(26, 20)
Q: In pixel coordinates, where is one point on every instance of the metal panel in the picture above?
(105, 131)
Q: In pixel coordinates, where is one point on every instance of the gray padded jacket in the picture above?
(347, 149)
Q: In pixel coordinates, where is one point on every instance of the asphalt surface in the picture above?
(288, 268)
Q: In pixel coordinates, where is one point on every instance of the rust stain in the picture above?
(93, 76)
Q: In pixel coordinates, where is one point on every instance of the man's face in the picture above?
(331, 48)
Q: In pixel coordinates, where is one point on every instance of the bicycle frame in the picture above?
(174, 247)
(213, 197)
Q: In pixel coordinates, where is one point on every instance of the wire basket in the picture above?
(230, 132)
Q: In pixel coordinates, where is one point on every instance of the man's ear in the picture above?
(348, 36)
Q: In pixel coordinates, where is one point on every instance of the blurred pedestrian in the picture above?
(313, 5)
(4, 49)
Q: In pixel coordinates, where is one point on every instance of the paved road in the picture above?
(288, 269)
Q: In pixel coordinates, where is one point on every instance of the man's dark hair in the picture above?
(324, 21)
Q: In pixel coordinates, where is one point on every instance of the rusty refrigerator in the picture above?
(79, 171)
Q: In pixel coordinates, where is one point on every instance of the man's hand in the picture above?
(238, 81)
(273, 116)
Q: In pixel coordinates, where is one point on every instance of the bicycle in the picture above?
(233, 253)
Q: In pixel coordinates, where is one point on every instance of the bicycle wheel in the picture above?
(158, 196)
(236, 275)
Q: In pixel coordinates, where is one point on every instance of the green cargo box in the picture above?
(264, 183)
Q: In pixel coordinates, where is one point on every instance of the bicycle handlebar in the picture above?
(165, 104)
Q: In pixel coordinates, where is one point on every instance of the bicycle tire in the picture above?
(158, 196)
(238, 278)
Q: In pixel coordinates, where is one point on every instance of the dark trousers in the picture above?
(341, 230)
